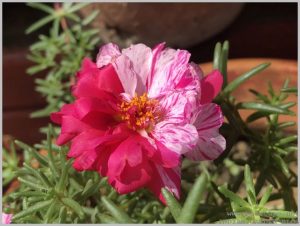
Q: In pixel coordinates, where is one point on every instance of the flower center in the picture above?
(140, 113)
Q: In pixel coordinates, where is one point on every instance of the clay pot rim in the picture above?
(273, 61)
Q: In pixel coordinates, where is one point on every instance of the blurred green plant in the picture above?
(60, 53)
(53, 192)
(252, 211)
(10, 162)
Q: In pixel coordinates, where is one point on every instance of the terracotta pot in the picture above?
(178, 24)
(20, 98)
(277, 73)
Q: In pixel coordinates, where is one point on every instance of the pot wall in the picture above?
(178, 24)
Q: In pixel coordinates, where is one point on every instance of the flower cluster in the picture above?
(137, 113)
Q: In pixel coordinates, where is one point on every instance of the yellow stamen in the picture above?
(140, 113)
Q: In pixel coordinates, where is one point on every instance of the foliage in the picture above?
(51, 191)
(9, 164)
(61, 52)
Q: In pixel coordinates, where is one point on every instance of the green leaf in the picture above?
(233, 197)
(52, 164)
(41, 6)
(193, 199)
(282, 165)
(287, 105)
(217, 56)
(62, 215)
(223, 63)
(52, 209)
(278, 214)
(32, 209)
(244, 77)
(73, 17)
(249, 185)
(16, 195)
(32, 185)
(291, 149)
(290, 90)
(105, 219)
(77, 7)
(272, 180)
(271, 90)
(116, 212)
(75, 184)
(41, 159)
(75, 206)
(285, 124)
(260, 96)
(88, 185)
(266, 196)
(39, 175)
(264, 108)
(44, 112)
(230, 221)
(172, 203)
(90, 18)
(90, 188)
(287, 140)
(63, 177)
(39, 24)
(256, 115)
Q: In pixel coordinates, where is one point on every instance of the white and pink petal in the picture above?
(140, 56)
(107, 54)
(177, 138)
(211, 143)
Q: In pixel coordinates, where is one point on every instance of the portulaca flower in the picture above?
(137, 112)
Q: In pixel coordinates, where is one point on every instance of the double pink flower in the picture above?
(137, 113)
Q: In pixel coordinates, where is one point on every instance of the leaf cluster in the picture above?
(60, 54)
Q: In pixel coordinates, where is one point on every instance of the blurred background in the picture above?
(254, 30)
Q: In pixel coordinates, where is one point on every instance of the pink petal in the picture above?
(177, 138)
(178, 106)
(128, 167)
(85, 141)
(94, 82)
(209, 147)
(109, 144)
(6, 218)
(172, 72)
(165, 178)
(107, 54)
(85, 114)
(86, 160)
(210, 144)
(165, 157)
(159, 153)
(91, 147)
(195, 70)
(67, 109)
(155, 55)
(208, 116)
(141, 57)
(132, 178)
(162, 76)
(90, 110)
(126, 74)
(70, 128)
(128, 152)
(87, 104)
(211, 85)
